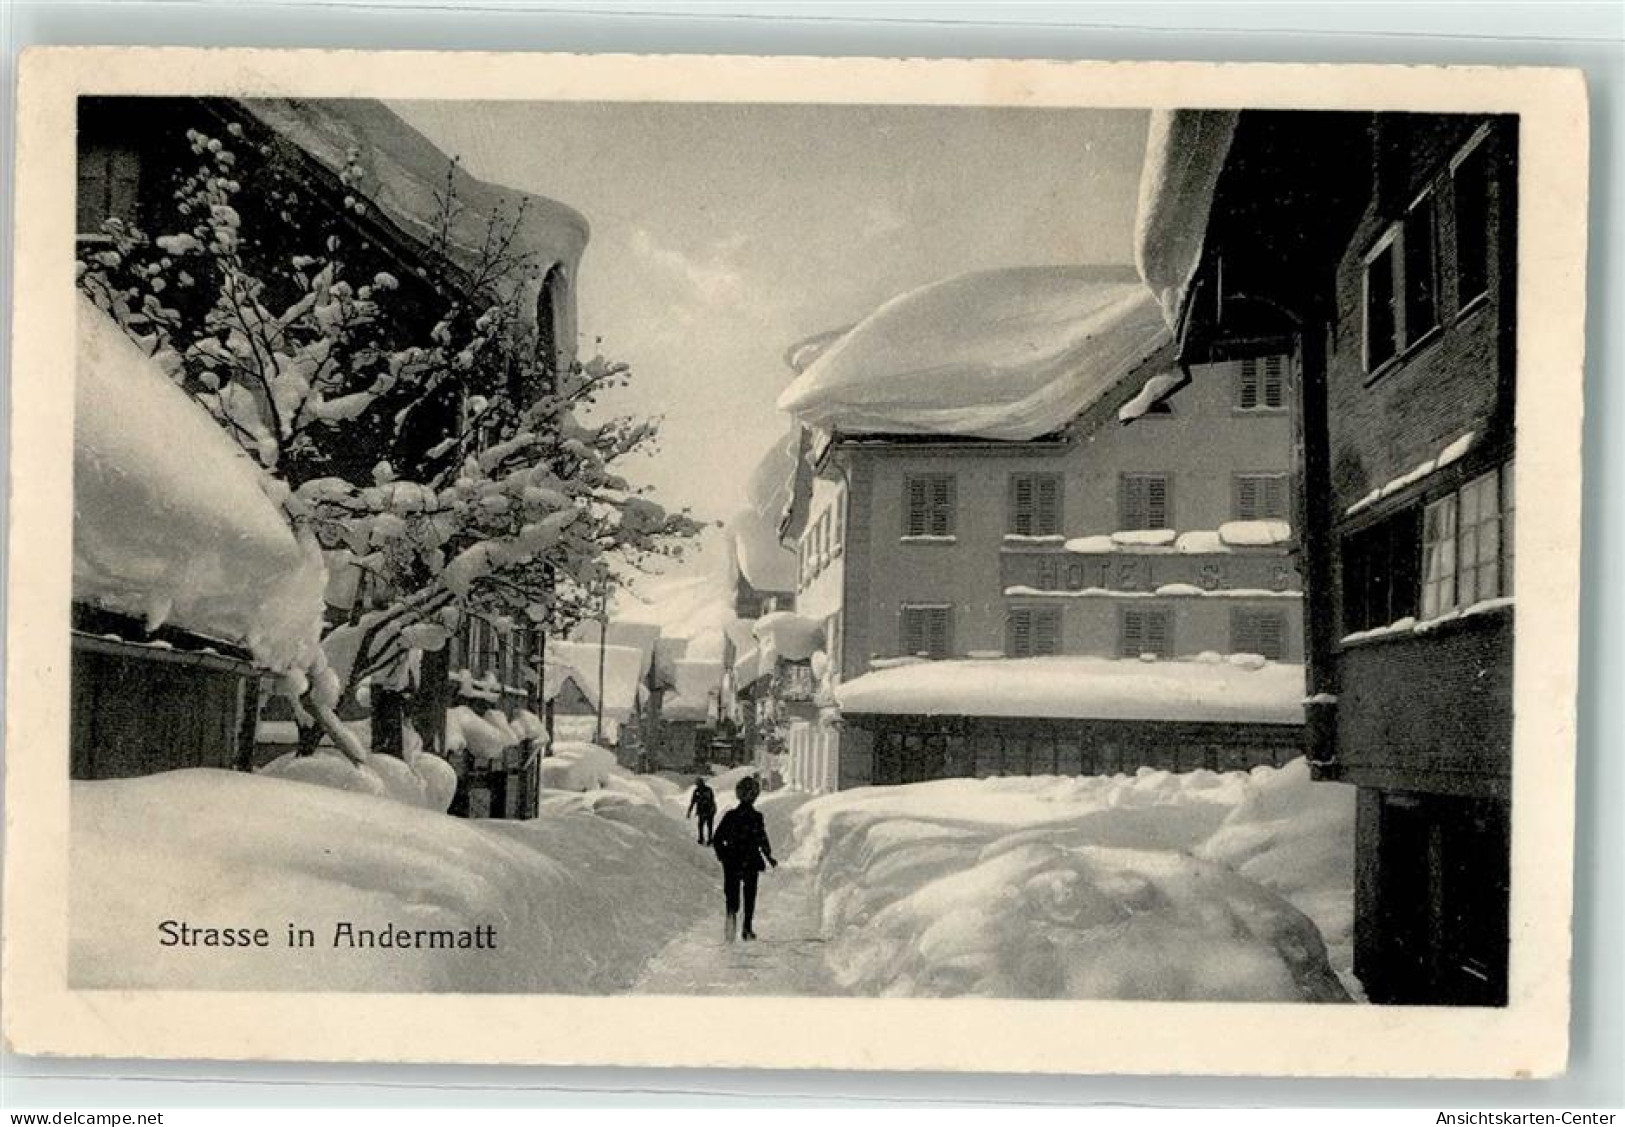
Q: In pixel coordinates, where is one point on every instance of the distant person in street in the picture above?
(703, 807)
(742, 847)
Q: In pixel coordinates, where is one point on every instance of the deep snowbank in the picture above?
(416, 779)
(1153, 886)
(172, 522)
(578, 899)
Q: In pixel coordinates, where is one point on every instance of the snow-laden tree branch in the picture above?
(406, 424)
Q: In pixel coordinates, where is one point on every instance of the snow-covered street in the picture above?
(787, 959)
(1155, 885)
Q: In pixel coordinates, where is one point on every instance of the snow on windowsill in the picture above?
(1167, 590)
(1410, 626)
(1446, 457)
(1022, 538)
(925, 539)
(1195, 542)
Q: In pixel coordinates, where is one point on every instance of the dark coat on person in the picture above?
(704, 801)
(741, 840)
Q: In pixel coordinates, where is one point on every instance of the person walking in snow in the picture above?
(741, 845)
(703, 807)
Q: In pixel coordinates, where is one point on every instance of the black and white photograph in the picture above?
(888, 550)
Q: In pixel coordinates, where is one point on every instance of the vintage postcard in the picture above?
(809, 563)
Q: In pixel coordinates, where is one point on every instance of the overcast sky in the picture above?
(722, 234)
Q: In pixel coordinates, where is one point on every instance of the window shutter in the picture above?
(913, 632)
(1259, 632)
(1020, 642)
(942, 505)
(1275, 500)
(1045, 627)
(914, 517)
(1247, 385)
(1272, 391)
(1130, 503)
(1247, 489)
(938, 641)
(1021, 501)
(1156, 502)
(1156, 632)
(1047, 505)
(1133, 634)
(1272, 643)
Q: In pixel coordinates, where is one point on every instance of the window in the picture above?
(1467, 540)
(1421, 240)
(1471, 177)
(1508, 496)
(1381, 578)
(928, 505)
(1033, 632)
(1439, 556)
(547, 327)
(1478, 540)
(1260, 497)
(1145, 630)
(927, 631)
(1261, 383)
(1143, 501)
(1258, 632)
(1402, 284)
(1381, 319)
(1035, 504)
(109, 180)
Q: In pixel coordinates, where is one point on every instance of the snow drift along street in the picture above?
(1154, 886)
(579, 898)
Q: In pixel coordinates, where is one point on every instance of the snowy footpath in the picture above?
(787, 959)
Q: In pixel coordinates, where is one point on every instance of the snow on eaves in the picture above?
(1185, 153)
(1001, 354)
(753, 532)
(172, 522)
(1082, 688)
(406, 173)
(788, 636)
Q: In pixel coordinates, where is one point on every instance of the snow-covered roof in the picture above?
(1083, 688)
(1185, 151)
(623, 674)
(640, 636)
(668, 652)
(753, 532)
(406, 173)
(690, 699)
(787, 635)
(747, 667)
(1001, 354)
(558, 674)
(683, 606)
(171, 519)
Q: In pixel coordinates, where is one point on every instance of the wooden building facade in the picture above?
(1381, 250)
